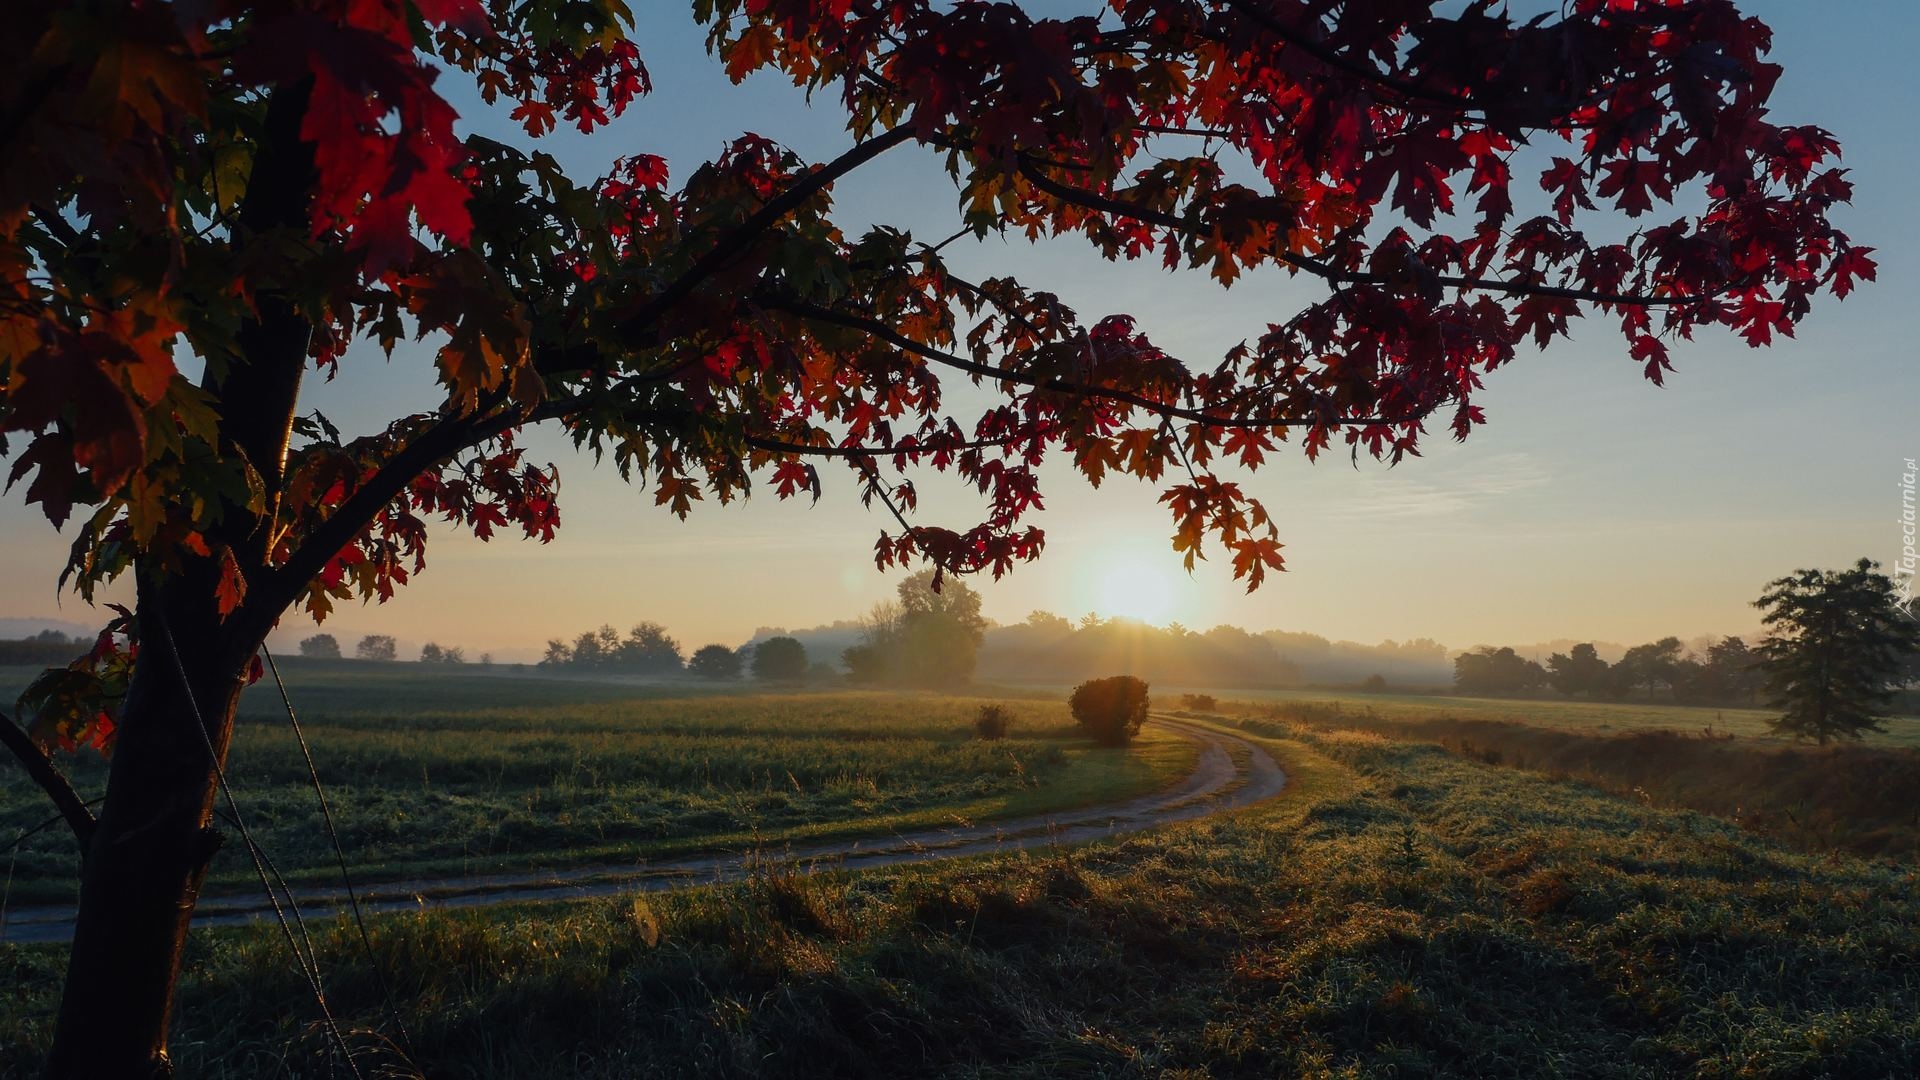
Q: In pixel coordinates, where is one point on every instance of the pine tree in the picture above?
(1835, 642)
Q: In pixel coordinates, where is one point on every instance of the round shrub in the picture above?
(1111, 709)
(992, 723)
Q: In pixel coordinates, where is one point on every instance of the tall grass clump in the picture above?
(991, 722)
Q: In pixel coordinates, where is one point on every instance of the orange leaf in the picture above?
(753, 48)
(232, 586)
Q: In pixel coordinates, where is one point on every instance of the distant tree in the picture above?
(926, 638)
(595, 648)
(1049, 622)
(1733, 671)
(781, 659)
(715, 662)
(1488, 670)
(453, 654)
(1690, 682)
(607, 645)
(1111, 709)
(866, 663)
(376, 647)
(939, 632)
(1616, 684)
(875, 658)
(1652, 667)
(648, 650)
(320, 647)
(1375, 684)
(937, 650)
(1836, 642)
(1580, 671)
(431, 653)
(486, 660)
(46, 650)
(821, 673)
(926, 593)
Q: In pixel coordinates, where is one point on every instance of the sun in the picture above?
(1135, 585)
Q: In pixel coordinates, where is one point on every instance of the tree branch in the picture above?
(1093, 200)
(41, 771)
(1404, 87)
(58, 227)
(888, 334)
(769, 214)
(781, 446)
(447, 436)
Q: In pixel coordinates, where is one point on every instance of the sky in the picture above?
(1592, 505)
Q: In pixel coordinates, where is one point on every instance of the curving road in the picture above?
(1230, 772)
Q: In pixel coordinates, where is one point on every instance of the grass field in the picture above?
(1591, 717)
(1402, 911)
(440, 772)
(1858, 797)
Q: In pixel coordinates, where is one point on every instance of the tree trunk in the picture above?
(142, 871)
(149, 854)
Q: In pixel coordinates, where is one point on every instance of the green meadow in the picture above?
(1588, 717)
(440, 772)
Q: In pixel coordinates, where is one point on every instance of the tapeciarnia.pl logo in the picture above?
(1904, 566)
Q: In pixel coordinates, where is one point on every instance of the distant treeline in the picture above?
(49, 648)
(646, 649)
(1725, 672)
(1047, 648)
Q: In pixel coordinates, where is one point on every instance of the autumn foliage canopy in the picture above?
(199, 200)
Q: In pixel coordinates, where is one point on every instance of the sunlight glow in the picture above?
(1136, 585)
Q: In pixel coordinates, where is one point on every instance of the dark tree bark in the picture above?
(148, 855)
(149, 852)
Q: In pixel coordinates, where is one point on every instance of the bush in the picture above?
(780, 659)
(1199, 702)
(1375, 684)
(1111, 709)
(992, 723)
